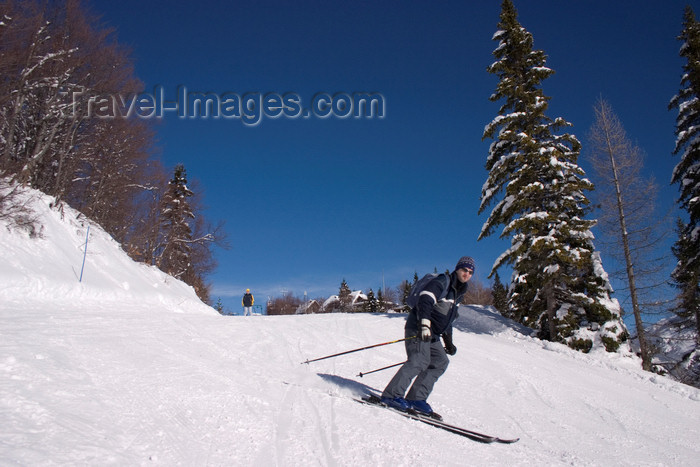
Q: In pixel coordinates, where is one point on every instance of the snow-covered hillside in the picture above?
(128, 368)
(48, 268)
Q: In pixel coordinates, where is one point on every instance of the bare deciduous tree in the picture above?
(15, 211)
(287, 304)
(627, 209)
(56, 62)
(478, 294)
(54, 58)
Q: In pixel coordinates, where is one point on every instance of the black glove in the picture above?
(449, 346)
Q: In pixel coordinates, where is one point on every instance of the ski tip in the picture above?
(507, 441)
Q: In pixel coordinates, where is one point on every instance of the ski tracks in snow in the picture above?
(301, 413)
(298, 416)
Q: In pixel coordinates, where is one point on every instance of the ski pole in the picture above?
(357, 350)
(380, 369)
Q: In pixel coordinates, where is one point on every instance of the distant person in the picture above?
(427, 360)
(247, 302)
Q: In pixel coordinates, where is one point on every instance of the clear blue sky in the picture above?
(310, 201)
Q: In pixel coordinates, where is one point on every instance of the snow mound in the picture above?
(486, 320)
(47, 266)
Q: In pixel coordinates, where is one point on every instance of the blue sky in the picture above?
(311, 201)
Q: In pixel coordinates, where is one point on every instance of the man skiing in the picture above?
(431, 318)
(247, 303)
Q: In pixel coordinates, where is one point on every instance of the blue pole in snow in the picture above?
(84, 253)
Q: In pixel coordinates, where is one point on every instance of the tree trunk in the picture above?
(641, 335)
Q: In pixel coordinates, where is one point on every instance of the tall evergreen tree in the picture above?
(175, 256)
(500, 295)
(345, 297)
(372, 304)
(404, 290)
(558, 286)
(686, 275)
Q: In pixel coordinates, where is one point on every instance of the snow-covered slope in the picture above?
(103, 373)
(48, 268)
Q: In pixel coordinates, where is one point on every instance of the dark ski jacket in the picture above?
(248, 299)
(441, 313)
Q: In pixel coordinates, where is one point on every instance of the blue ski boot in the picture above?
(423, 408)
(398, 403)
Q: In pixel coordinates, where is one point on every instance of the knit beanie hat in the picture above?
(465, 262)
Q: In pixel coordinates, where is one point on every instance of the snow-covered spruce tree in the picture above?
(345, 297)
(372, 304)
(175, 227)
(499, 293)
(558, 286)
(686, 275)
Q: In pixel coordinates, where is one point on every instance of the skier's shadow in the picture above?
(355, 387)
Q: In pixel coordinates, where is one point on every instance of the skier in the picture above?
(427, 359)
(247, 303)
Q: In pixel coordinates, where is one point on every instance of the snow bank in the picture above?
(486, 320)
(48, 268)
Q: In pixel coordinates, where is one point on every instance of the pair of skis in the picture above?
(413, 415)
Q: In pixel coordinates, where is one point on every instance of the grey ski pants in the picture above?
(426, 362)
